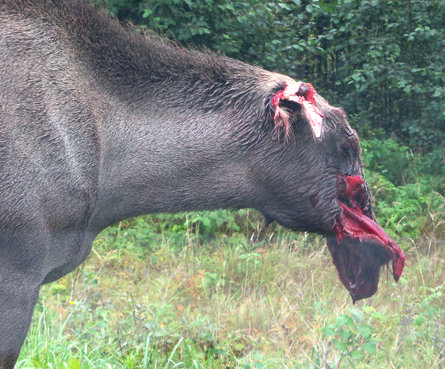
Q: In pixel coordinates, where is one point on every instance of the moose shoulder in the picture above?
(98, 124)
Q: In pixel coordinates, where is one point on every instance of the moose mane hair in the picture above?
(132, 65)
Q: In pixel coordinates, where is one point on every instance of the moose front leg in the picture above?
(18, 295)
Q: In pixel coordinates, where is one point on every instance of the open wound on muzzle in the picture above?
(303, 94)
(361, 247)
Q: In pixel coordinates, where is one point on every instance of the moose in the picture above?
(99, 123)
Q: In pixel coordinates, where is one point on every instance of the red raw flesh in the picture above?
(293, 92)
(358, 228)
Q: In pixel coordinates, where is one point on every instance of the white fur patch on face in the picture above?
(303, 94)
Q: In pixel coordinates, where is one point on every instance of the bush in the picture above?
(407, 188)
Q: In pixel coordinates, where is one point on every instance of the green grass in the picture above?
(150, 296)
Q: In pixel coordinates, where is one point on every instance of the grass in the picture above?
(151, 296)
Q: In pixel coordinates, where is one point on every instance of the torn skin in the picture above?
(361, 247)
(303, 94)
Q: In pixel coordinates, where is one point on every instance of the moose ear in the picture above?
(302, 94)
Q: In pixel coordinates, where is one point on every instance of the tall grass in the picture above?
(234, 303)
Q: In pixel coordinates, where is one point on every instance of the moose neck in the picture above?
(165, 161)
(168, 149)
(172, 124)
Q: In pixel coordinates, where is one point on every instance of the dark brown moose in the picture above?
(98, 124)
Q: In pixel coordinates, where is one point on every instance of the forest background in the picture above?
(217, 289)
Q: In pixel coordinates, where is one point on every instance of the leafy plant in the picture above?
(352, 337)
(408, 189)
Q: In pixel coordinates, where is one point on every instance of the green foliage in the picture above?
(390, 69)
(401, 165)
(408, 187)
(423, 320)
(352, 337)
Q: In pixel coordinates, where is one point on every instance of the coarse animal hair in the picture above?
(133, 65)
